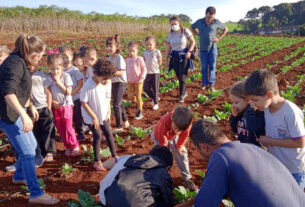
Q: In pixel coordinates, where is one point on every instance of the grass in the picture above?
(231, 26)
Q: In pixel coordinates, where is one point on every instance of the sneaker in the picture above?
(190, 185)
(99, 166)
(117, 130)
(49, 157)
(44, 199)
(203, 87)
(75, 152)
(126, 124)
(181, 99)
(90, 132)
(155, 107)
(139, 115)
(81, 136)
(11, 168)
(39, 162)
(185, 95)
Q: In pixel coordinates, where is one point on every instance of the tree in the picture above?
(252, 14)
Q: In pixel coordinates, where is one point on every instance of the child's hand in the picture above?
(96, 123)
(235, 111)
(265, 141)
(35, 113)
(56, 104)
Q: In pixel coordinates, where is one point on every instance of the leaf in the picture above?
(200, 173)
(119, 140)
(227, 203)
(73, 204)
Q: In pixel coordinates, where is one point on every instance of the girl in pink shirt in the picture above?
(136, 73)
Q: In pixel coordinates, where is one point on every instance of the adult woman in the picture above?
(179, 53)
(15, 90)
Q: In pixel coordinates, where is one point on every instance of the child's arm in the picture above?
(119, 72)
(68, 90)
(78, 87)
(287, 142)
(159, 58)
(49, 97)
(143, 70)
(95, 120)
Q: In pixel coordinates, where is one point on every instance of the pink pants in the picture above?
(63, 122)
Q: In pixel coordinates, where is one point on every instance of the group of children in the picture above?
(82, 86)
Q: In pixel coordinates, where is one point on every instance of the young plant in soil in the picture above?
(227, 107)
(220, 115)
(202, 98)
(200, 173)
(139, 132)
(210, 118)
(214, 93)
(41, 184)
(67, 169)
(90, 154)
(127, 104)
(120, 140)
(183, 194)
(85, 199)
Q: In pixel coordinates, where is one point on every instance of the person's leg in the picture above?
(212, 55)
(60, 124)
(48, 127)
(70, 136)
(155, 87)
(204, 67)
(181, 160)
(52, 146)
(123, 111)
(24, 144)
(176, 66)
(148, 85)
(109, 137)
(78, 118)
(117, 95)
(131, 92)
(139, 88)
(40, 150)
(97, 134)
(184, 72)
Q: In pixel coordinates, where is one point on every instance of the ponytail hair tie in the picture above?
(54, 51)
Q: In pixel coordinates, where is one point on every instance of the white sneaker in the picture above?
(155, 107)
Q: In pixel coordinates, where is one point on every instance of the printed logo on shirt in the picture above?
(35, 81)
(242, 127)
(282, 133)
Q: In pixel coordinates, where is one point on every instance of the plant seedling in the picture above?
(210, 118)
(85, 199)
(182, 194)
(139, 132)
(66, 169)
(202, 98)
(200, 173)
(220, 115)
(127, 104)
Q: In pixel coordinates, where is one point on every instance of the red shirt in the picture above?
(163, 131)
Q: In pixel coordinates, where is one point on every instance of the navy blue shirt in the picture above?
(207, 32)
(250, 177)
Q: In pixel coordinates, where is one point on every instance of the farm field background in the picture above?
(238, 56)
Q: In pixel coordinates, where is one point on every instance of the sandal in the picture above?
(99, 166)
(44, 199)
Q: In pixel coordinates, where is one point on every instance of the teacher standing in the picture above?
(206, 28)
(15, 91)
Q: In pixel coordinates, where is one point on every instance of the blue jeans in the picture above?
(300, 178)
(208, 66)
(24, 144)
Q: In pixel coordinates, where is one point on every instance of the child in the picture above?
(172, 131)
(4, 53)
(95, 98)
(136, 72)
(78, 62)
(285, 132)
(77, 79)
(118, 83)
(61, 88)
(153, 60)
(42, 100)
(245, 120)
(89, 56)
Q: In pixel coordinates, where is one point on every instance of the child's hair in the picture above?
(104, 67)
(163, 153)
(261, 81)
(206, 132)
(133, 44)
(150, 38)
(238, 89)
(53, 57)
(84, 50)
(114, 40)
(65, 49)
(175, 18)
(182, 117)
(76, 55)
(4, 49)
(25, 45)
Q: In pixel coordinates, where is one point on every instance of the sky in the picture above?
(226, 10)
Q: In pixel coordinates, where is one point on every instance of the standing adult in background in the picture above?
(206, 29)
(15, 91)
(179, 53)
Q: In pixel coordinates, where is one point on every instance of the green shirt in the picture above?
(207, 32)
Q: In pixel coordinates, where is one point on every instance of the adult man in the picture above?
(245, 173)
(139, 180)
(206, 29)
